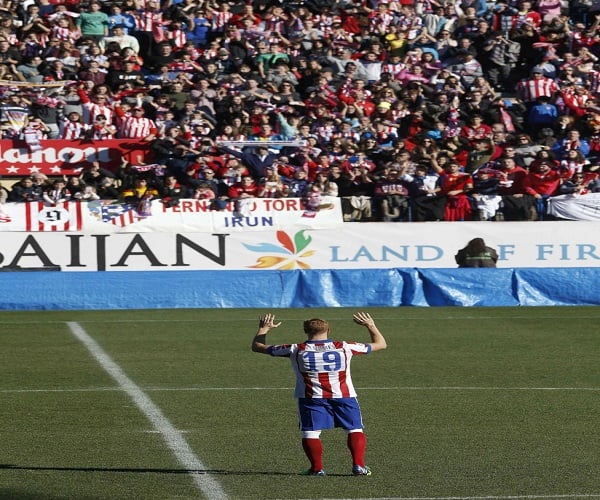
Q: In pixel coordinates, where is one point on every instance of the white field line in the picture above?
(242, 389)
(173, 438)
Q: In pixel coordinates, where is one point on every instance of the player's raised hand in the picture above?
(267, 321)
(363, 319)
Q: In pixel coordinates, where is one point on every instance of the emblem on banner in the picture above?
(64, 216)
(289, 254)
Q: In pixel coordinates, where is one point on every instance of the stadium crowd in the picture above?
(406, 109)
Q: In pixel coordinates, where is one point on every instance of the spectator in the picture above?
(476, 254)
(57, 193)
(356, 193)
(107, 189)
(119, 36)
(30, 69)
(95, 175)
(209, 177)
(517, 204)
(133, 124)
(120, 18)
(117, 78)
(202, 191)
(526, 149)
(485, 195)
(246, 188)
(298, 184)
(325, 186)
(573, 140)
(454, 186)
(88, 193)
(97, 104)
(100, 129)
(75, 186)
(576, 185)
(391, 196)
(163, 55)
(272, 186)
(164, 146)
(26, 190)
(529, 90)
(139, 192)
(93, 23)
(255, 159)
(542, 114)
(541, 184)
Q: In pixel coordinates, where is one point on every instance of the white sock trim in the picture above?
(311, 434)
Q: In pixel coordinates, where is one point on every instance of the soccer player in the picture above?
(326, 395)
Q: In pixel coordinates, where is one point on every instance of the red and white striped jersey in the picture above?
(393, 69)
(132, 127)
(531, 89)
(146, 20)
(177, 37)
(62, 33)
(91, 110)
(70, 130)
(220, 19)
(322, 367)
(381, 21)
(274, 23)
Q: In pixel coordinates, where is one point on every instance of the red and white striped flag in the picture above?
(64, 216)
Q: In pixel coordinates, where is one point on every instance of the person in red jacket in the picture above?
(246, 188)
(454, 186)
(241, 193)
(517, 204)
(541, 184)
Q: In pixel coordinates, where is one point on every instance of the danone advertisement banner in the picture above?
(59, 157)
(345, 246)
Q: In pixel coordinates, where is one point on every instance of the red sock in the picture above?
(357, 443)
(314, 451)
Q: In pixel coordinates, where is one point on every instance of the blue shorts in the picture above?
(319, 414)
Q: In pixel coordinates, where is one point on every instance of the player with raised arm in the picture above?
(326, 395)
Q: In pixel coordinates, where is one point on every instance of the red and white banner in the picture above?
(197, 216)
(59, 157)
(37, 216)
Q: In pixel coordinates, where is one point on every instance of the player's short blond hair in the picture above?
(315, 326)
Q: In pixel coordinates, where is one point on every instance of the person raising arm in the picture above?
(324, 388)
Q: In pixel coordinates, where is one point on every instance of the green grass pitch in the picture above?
(465, 403)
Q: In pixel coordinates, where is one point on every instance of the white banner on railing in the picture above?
(575, 207)
(193, 216)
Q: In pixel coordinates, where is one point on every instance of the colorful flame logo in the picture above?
(292, 250)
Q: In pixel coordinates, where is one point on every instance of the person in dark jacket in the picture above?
(476, 254)
(255, 159)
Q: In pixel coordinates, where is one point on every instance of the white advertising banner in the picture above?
(348, 246)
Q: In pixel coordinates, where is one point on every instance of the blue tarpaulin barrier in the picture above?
(299, 288)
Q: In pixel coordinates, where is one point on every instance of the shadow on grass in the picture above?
(146, 470)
